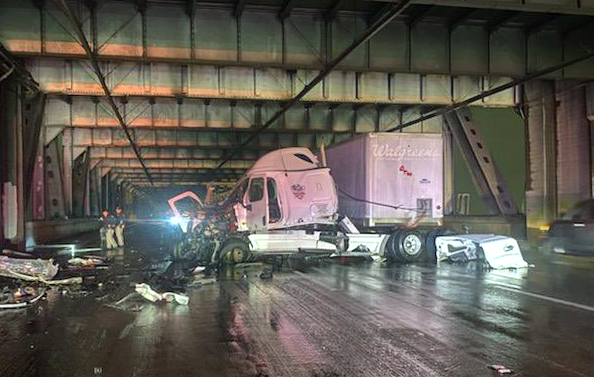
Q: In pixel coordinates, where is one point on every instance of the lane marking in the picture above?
(510, 288)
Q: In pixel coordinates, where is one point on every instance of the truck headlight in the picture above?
(320, 209)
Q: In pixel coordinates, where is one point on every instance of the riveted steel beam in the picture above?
(373, 29)
(331, 13)
(463, 16)
(286, 10)
(501, 18)
(99, 74)
(458, 105)
(417, 14)
(481, 164)
(542, 23)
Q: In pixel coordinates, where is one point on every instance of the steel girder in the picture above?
(481, 164)
(517, 82)
(80, 185)
(371, 30)
(177, 85)
(100, 76)
(55, 199)
(126, 37)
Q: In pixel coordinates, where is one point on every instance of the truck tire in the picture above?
(391, 247)
(409, 245)
(430, 242)
(235, 251)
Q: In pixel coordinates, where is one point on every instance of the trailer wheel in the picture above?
(392, 247)
(234, 252)
(409, 245)
(430, 242)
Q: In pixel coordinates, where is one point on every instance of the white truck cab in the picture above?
(286, 188)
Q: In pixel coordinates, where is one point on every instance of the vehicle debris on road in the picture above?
(148, 293)
(499, 252)
(501, 369)
(27, 268)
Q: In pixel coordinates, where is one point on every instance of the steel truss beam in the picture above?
(480, 163)
(251, 86)
(541, 24)
(461, 18)
(417, 15)
(501, 17)
(331, 13)
(373, 29)
(517, 82)
(211, 154)
(174, 170)
(285, 11)
(97, 70)
(173, 163)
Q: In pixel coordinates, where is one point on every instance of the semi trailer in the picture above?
(392, 183)
(290, 203)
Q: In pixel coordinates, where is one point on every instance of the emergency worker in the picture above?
(120, 220)
(107, 231)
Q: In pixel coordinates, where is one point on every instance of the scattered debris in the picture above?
(17, 254)
(498, 252)
(205, 281)
(198, 270)
(146, 291)
(266, 274)
(18, 305)
(501, 369)
(86, 261)
(27, 269)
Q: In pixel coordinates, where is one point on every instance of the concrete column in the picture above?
(541, 198)
(11, 151)
(573, 145)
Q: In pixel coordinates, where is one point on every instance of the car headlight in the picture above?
(544, 228)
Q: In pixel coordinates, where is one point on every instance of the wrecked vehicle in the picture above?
(288, 203)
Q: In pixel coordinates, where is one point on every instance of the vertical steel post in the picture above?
(541, 197)
(481, 164)
(54, 196)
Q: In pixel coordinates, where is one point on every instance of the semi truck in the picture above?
(294, 202)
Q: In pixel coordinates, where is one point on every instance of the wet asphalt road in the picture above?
(323, 320)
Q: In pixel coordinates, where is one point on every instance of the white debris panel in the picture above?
(499, 252)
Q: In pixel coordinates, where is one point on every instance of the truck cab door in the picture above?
(257, 208)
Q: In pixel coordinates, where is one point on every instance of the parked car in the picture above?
(574, 232)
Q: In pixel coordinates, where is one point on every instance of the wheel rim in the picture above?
(236, 255)
(411, 244)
